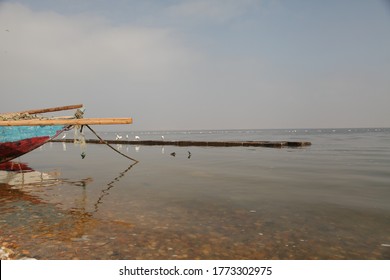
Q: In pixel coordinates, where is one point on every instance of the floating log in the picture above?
(86, 121)
(270, 144)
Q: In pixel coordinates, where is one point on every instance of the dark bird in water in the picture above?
(173, 154)
(189, 154)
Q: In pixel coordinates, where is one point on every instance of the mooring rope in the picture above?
(105, 142)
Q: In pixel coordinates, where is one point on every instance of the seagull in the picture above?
(162, 137)
(189, 154)
(63, 137)
(136, 137)
(118, 137)
(173, 154)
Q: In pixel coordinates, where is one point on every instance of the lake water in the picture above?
(330, 200)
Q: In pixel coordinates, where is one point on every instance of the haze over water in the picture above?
(327, 201)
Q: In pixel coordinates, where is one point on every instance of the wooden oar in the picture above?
(54, 109)
(87, 121)
(47, 110)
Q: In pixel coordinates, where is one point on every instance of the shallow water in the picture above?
(327, 201)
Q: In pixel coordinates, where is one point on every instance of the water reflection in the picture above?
(110, 185)
(19, 175)
(43, 229)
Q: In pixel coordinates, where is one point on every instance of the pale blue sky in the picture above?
(201, 64)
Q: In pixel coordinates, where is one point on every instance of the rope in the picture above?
(19, 116)
(105, 142)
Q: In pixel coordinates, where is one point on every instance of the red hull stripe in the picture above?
(15, 149)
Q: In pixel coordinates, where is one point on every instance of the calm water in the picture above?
(327, 201)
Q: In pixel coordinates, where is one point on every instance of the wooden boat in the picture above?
(23, 132)
(18, 140)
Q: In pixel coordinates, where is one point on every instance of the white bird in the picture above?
(63, 137)
(127, 136)
(118, 137)
(137, 138)
(162, 137)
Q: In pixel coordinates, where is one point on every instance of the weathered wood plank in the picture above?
(47, 110)
(89, 121)
(53, 109)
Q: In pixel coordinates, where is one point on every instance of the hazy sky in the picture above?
(206, 64)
